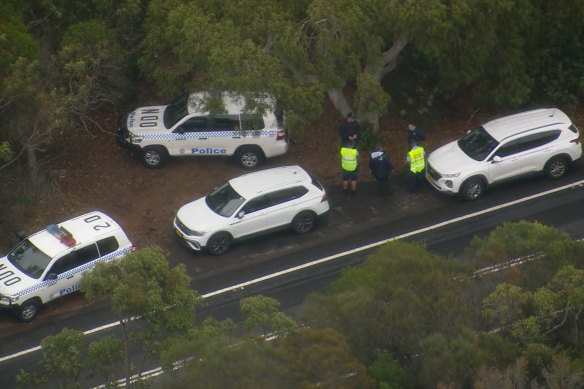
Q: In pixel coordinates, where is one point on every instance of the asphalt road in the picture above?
(352, 223)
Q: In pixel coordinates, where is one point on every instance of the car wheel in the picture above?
(249, 157)
(154, 157)
(28, 310)
(556, 167)
(304, 222)
(219, 243)
(472, 188)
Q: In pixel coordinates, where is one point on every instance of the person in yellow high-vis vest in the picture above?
(417, 164)
(349, 167)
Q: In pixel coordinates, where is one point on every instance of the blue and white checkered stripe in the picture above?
(211, 134)
(80, 269)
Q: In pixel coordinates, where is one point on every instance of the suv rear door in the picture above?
(284, 205)
(225, 135)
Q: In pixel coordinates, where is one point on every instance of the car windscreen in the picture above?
(477, 143)
(176, 110)
(224, 200)
(29, 259)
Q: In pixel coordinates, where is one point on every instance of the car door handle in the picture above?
(236, 137)
(71, 276)
(202, 138)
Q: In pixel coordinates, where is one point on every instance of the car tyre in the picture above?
(304, 222)
(556, 167)
(473, 188)
(154, 157)
(249, 157)
(28, 310)
(219, 243)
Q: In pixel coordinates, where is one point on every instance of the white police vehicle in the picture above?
(206, 124)
(50, 263)
(251, 205)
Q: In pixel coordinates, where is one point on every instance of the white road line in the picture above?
(243, 285)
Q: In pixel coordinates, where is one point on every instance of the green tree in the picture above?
(323, 359)
(264, 312)
(389, 373)
(551, 248)
(141, 285)
(210, 357)
(448, 360)
(61, 360)
(302, 51)
(104, 356)
(399, 295)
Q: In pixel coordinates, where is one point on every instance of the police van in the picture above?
(50, 263)
(206, 124)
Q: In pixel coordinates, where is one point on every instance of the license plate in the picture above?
(179, 233)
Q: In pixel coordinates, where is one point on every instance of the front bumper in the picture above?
(442, 184)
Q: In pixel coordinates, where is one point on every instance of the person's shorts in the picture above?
(350, 176)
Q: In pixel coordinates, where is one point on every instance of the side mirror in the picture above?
(21, 235)
(240, 214)
(51, 276)
(496, 158)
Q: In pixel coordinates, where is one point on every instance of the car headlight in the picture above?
(136, 138)
(451, 175)
(9, 299)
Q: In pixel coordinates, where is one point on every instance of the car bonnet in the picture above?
(197, 216)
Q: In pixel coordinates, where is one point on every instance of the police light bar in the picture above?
(62, 234)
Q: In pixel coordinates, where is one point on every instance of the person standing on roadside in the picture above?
(416, 161)
(381, 168)
(349, 167)
(415, 134)
(349, 129)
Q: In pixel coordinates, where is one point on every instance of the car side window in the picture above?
(257, 204)
(75, 259)
(284, 195)
(507, 149)
(194, 124)
(536, 140)
(252, 122)
(107, 245)
(225, 123)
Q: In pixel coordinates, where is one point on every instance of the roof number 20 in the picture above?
(94, 218)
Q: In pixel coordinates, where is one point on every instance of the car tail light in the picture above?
(324, 198)
(575, 140)
(281, 134)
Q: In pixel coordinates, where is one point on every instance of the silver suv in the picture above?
(540, 140)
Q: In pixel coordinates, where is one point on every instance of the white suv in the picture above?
(50, 263)
(529, 142)
(206, 124)
(250, 205)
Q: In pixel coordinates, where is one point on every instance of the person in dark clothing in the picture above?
(414, 135)
(349, 129)
(381, 168)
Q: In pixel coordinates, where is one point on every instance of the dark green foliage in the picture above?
(389, 373)
(323, 359)
(368, 139)
(61, 362)
(406, 294)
